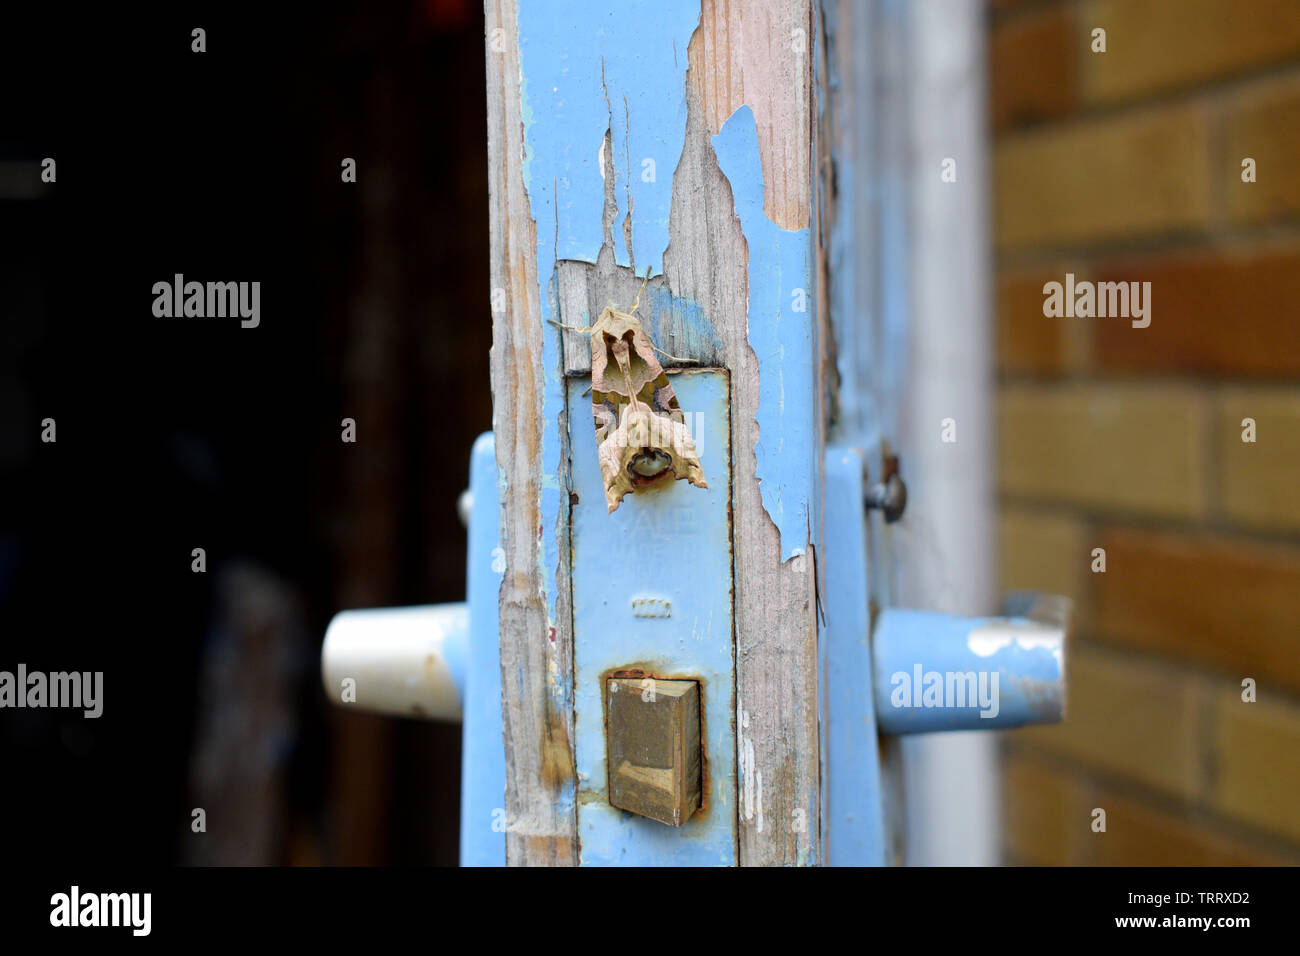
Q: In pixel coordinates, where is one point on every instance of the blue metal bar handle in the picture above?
(935, 672)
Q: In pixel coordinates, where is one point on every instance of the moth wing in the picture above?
(631, 388)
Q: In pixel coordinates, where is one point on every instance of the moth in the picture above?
(641, 433)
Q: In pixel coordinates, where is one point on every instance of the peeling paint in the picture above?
(572, 85)
(780, 270)
(568, 78)
(575, 72)
(566, 86)
(568, 112)
(988, 639)
(757, 55)
(751, 778)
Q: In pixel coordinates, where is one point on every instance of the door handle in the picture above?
(934, 671)
(442, 662)
(404, 661)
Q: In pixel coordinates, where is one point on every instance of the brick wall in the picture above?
(1127, 166)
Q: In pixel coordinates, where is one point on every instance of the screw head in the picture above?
(890, 496)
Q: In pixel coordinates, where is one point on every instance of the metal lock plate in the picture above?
(652, 593)
(653, 731)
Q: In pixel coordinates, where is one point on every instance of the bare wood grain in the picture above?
(538, 735)
(585, 289)
(757, 55)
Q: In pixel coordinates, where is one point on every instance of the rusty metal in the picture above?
(889, 494)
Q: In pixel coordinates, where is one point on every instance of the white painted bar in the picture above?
(405, 661)
(951, 780)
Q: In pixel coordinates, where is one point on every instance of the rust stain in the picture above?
(557, 756)
(1045, 699)
(639, 670)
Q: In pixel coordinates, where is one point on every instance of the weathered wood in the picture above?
(681, 332)
(739, 289)
(538, 734)
(744, 54)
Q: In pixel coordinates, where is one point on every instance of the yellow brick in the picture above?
(1135, 175)
(1257, 752)
(1154, 45)
(1040, 806)
(1219, 602)
(1194, 289)
(1139, 834)
(1032, 67)
(1260, 481)
(1041, 551)
(1263, 124)
(1044, 551)
(1126, 717)
(1029, 342)
(1127, 448)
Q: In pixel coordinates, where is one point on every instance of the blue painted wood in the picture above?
(617, 67)
(483, 754)
(781, 333)
(621, 68)
(670, 543)
(585, 69)
(869, 246)
(852, 816)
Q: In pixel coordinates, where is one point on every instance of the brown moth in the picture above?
(641, 433)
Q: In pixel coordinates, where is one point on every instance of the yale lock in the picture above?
(652, 603)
